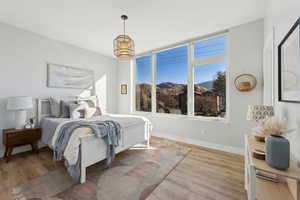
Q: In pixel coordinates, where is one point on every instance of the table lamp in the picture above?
(20, 105)
(258, 113)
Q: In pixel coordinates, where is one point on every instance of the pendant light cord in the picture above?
(124, 29)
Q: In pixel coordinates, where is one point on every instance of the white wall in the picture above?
(124, 74)
(245, 55)
(23, 57)
(280, 16)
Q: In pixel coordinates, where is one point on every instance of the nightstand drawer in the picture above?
(20, 141)
(17, 137)
(26, 133)
(14, 138)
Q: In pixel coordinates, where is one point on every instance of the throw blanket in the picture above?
(109, 131)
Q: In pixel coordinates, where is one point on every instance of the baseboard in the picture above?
(230, 149)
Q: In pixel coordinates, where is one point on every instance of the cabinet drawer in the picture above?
(20, 142)
(25, 133)
(22, 137)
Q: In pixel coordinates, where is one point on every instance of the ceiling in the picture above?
(93, 24)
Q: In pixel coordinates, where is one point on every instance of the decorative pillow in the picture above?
(54, 107)
(91, 102)
(82, 113)
(98, 112)
(76, 110)
(65, 108)
(89, 112)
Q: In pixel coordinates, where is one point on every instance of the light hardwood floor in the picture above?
(203, 174)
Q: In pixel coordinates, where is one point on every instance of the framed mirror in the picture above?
(289, 66)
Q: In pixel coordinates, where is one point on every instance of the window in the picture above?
(143, 84)
(188, 80)
(171, 84)
(210, 90)
(208, 48)
(210, 78)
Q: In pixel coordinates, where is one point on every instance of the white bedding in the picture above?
(72, 150)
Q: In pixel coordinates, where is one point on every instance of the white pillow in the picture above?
(90, 112)
(76, 109)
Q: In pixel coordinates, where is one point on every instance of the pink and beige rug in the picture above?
(134, 175)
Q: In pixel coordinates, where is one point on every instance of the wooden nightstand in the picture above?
(14, 137)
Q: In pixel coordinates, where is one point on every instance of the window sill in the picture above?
(185, 117)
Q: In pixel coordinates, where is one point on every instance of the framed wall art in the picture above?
(124, 89)
(289, 66)
(60, 76)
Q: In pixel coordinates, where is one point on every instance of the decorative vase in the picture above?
(278, 152)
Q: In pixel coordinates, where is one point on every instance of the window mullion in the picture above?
(133, 87)
(209, 60)
(153, 88)
(190, 86)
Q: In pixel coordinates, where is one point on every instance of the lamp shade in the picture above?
(124, 47)
(19, 103)
(259, 112)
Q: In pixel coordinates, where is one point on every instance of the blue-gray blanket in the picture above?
(109, 131)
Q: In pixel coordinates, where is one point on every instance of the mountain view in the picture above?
(209, 97)
(171, 68)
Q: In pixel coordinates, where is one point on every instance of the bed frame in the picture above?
(93, 149)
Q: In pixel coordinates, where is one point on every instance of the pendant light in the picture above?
(124, 45)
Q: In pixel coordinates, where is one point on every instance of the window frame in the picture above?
(134, 82)
(191, 64)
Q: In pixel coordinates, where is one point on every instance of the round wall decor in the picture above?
(245, 82)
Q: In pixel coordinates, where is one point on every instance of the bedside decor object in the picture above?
(124, 89)
(259, 154)
(278, 152)
(27, 125)
(60, 76)
(289, 66)
(31, 121)
(259, 113)
(288, 180)
(20, 105)
(123, 44)
(13, 138)
(272, 126)
(245, 82)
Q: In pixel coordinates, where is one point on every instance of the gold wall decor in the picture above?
(245, 82)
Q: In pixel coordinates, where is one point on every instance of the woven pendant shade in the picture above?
(124, 45)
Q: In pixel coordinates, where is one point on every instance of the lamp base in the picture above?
(20, 119)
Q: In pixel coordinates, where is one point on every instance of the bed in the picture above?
(135, 130)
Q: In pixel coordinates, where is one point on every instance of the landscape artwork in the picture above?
(59, 76)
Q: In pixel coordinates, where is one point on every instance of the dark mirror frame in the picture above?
(280, 65)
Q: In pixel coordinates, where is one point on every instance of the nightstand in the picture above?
(14, 137)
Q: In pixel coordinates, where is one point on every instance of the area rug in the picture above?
(135, 173)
